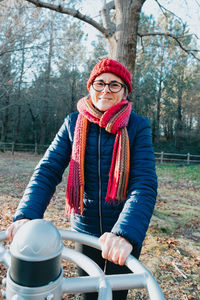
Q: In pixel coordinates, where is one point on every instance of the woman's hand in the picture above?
(115, 248)
(13, 228)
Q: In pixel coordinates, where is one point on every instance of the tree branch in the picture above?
(19, 49)
(71, 12)
(105, 14)
(5, 107)
(188, 51)
(163, 9)
(197, 3)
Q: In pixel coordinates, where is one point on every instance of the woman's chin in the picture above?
(103, 106)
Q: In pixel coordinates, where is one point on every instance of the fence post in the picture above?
(36, 148)
(188, 158)
(161, 157)
(2, 146)
(13, 147)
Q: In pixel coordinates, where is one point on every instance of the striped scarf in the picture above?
(114, 120)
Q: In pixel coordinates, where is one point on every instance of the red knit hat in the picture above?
(108, 65)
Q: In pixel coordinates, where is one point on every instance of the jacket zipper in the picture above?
(99, 173)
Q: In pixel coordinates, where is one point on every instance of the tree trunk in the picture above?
(16, 134)
(179, 128)
(6, 83)
(47, 85)
(4, 129)
(121, 35)
(73, 92)
(34, 119)
(122, 45)
(157, 131)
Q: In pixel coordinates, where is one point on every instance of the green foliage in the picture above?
(164, 80)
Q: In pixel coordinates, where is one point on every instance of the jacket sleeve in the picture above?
(47, 174)
(134, 219)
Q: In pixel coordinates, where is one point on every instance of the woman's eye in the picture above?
(100, 84)
(115, 85)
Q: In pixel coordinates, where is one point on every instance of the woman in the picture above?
(112, 183)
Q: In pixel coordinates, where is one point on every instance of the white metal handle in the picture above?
(97, 280)
(141, 278)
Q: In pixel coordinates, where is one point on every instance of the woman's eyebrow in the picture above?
(113, 81)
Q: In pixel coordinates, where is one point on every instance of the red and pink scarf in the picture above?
(114, 120)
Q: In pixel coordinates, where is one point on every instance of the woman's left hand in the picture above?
(115, 248)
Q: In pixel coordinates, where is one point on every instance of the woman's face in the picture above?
(105, 99)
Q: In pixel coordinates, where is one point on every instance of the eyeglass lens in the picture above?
(113, 86)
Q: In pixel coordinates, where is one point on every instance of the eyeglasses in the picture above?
(114, 86)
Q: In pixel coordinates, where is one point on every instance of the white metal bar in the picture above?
(2, 235)
(132, 263)
(4, 253)
(91, 268)
(90, 283)
(5, 256)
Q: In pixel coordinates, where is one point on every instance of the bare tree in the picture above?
(44, 116)
(121, 32)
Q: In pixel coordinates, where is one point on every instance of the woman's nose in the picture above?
(106, 89)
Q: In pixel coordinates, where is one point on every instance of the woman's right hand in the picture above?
(14, 227)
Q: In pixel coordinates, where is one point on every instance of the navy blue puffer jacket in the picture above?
(130, 219)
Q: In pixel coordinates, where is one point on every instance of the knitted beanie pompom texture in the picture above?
(108, 65)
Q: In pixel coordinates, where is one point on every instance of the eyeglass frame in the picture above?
(108, 84)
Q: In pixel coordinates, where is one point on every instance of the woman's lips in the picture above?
(105, 99)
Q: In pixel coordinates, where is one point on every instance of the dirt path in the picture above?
(171, 250)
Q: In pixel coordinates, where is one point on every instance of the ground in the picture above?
(171, 249)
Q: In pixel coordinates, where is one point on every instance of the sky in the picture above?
(189, 11)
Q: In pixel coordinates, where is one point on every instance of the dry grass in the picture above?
(171, 250)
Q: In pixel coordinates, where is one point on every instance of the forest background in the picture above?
(45, 61)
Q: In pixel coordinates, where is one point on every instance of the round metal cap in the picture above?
(37, 240)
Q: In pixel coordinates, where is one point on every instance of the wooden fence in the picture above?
(19, 147)
(161, 157)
